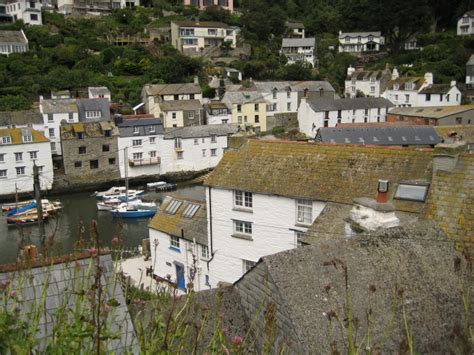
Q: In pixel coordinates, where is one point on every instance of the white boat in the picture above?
(161, 186)
(117, 192)
(112, 204)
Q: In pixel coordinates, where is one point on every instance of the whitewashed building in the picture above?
(178, 242)
(370, 82)
(195, 148)
(22, 119)
(13, 42)
(465, 25)
(299, 50)
(316, 113)
(295, 29)
(20, 149)
(358, 42)
(29, 11)
(181, 113)
(217, 113)
(421, 92)
(99, 92)
(470, 71)
(143, 139)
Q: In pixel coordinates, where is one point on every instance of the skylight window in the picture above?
(173, 206)
(190, 210)
(412, 192)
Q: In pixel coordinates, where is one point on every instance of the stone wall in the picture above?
(287, 120)
(266, 312)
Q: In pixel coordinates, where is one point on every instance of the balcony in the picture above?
(144, 162)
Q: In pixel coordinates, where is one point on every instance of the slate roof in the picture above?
(298, 42)
(90, 129)
(470, 13)
(410, 266)
(13, 37)
(436, 89)
(464, 131)
(62, 290)
(410, 135)
(172, 89)
(362, 34)
(333, 173)
(180, 105)
(416, 82)
(431, 112)
(17, 134)
(102, 105)
(359, 103)
(202, 24)
(99, 90)
(471, 60)
(451, 199)
(177, 224)
(299, 86)
(202, 131)
(365, 75)
(242, 97)
(59, 106)
(127, 126)
(18, 118)
(294, 24)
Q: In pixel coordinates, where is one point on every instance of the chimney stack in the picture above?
(429, 78)
(350, 70)
(446, 155)
(382, 191)
(453, 83)
(196, 80)
(395, 74)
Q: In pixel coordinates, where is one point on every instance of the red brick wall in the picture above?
(393, 118)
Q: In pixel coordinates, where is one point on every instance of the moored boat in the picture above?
(48, 206)
(8, 206)
(132, 212)
(117, 192)
(25, 219)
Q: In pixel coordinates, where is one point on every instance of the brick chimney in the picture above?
(445, 155)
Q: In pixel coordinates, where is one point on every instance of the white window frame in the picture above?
(34, 155)
(20, 171)
(152, 140)
(243, 199)
(4, 174)
(137, 156)
(174, 242)
(137, 142)
(19, 156)
(6, 140)
(304, 211)
(180, 155)
(178, 144)
(242, 227)
(213, 138)
(213, 152)
(136, 130)
(205, 252)
(298, 236)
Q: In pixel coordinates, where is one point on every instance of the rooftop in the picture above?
(89, 129)
(368, 74)
(101, 105)
(322, 104)
(294, 24)
(399, 135)
(99, 90)
(145, 127)
(201, 131)
(59, 106)
(16, 135)
(471, 60)
(182, 218)
(298, 42)
(19, 118)
(466, 132)
(13, 37)
(204, 24)
(361, 34)
(436, 89)
(180, 105)
(332, 173)
(242, 97)
(172, 89)
(431, 112)
(299, 86)
(415, 83)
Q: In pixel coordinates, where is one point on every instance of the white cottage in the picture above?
(369, 82)
(29, 11)
(178, 241)
(13, 42)
(465, 25)
(299, 50)
(358, 42)
(20, 149)
(316, 113)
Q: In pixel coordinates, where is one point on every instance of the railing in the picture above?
(144, 162)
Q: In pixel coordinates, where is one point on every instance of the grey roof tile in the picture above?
(359, 103)
(201, 131)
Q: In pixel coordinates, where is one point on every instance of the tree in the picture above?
(14, 103)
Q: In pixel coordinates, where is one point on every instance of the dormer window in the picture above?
(396, 86)
(93, 114)
(151, 129)
(136, 130)
(80, 135)
(409, 86)
(27, 138)
(6, 140)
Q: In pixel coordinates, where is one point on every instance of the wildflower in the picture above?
(13, 294)
(237, 340)
(93, 251)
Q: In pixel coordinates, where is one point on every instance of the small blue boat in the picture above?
(20, 210)
(132, 213)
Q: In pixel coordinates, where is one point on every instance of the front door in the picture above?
(180, 277)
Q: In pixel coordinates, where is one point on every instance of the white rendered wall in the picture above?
(398, 98)
(56, 124)
(25, 183)
(273, 230)
(164, 259)
(364, 86)
(282, 101)
(145, 148)
(219, 119)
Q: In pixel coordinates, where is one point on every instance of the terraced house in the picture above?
(248, 108)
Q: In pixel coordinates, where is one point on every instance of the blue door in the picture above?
(180, 276)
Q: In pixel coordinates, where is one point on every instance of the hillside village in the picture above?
(335, 155)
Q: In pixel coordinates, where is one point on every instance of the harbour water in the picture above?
(74, 224)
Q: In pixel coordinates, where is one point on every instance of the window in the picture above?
(20, 170)
(173, 115)
(3, 174)
(40, 168)
(190, 210)
(173, 206)
(82, 150)
(93, 114)
(6, 140)
(239, 108)
(80, 135)
(407, 98)
(196, 141)
(239, 119)
(108, 133)
(105, 147)
(179, 155)
(213, 152)
(33, 17)
(243, 199)
(32, 4)
(27, 138)
(298, 238)
(256, 107)
(71, 116)
(53, 146)
(428, 97)
(51, 132)
(339, 114)
(152, 153)
(2, 157)
(204, 152)
(457, 97)
(274, 94)
(288, 106)
(213, 138)
(191, 115)
(458, 120)
(212, 31)
(111, 161)
(151, 129)
(304, 211)
(191, 96)
(18, 156)
(174, 242)
(50, 117)
(33, 155)
(257, 119)
(203, 140)
(136, 130)
(412, 192)
(137, 142)
(152, 140)
(175, 97)
(241, 227)
(372, 89)
(204, 252)
(94, 164)
(137, 156)
(247, 265)
(177, 143)
(447, 98)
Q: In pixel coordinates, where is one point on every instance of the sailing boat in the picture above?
(133, 210)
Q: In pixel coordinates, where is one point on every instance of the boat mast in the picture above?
(16, 196)
(125, 161)
(39, 205)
